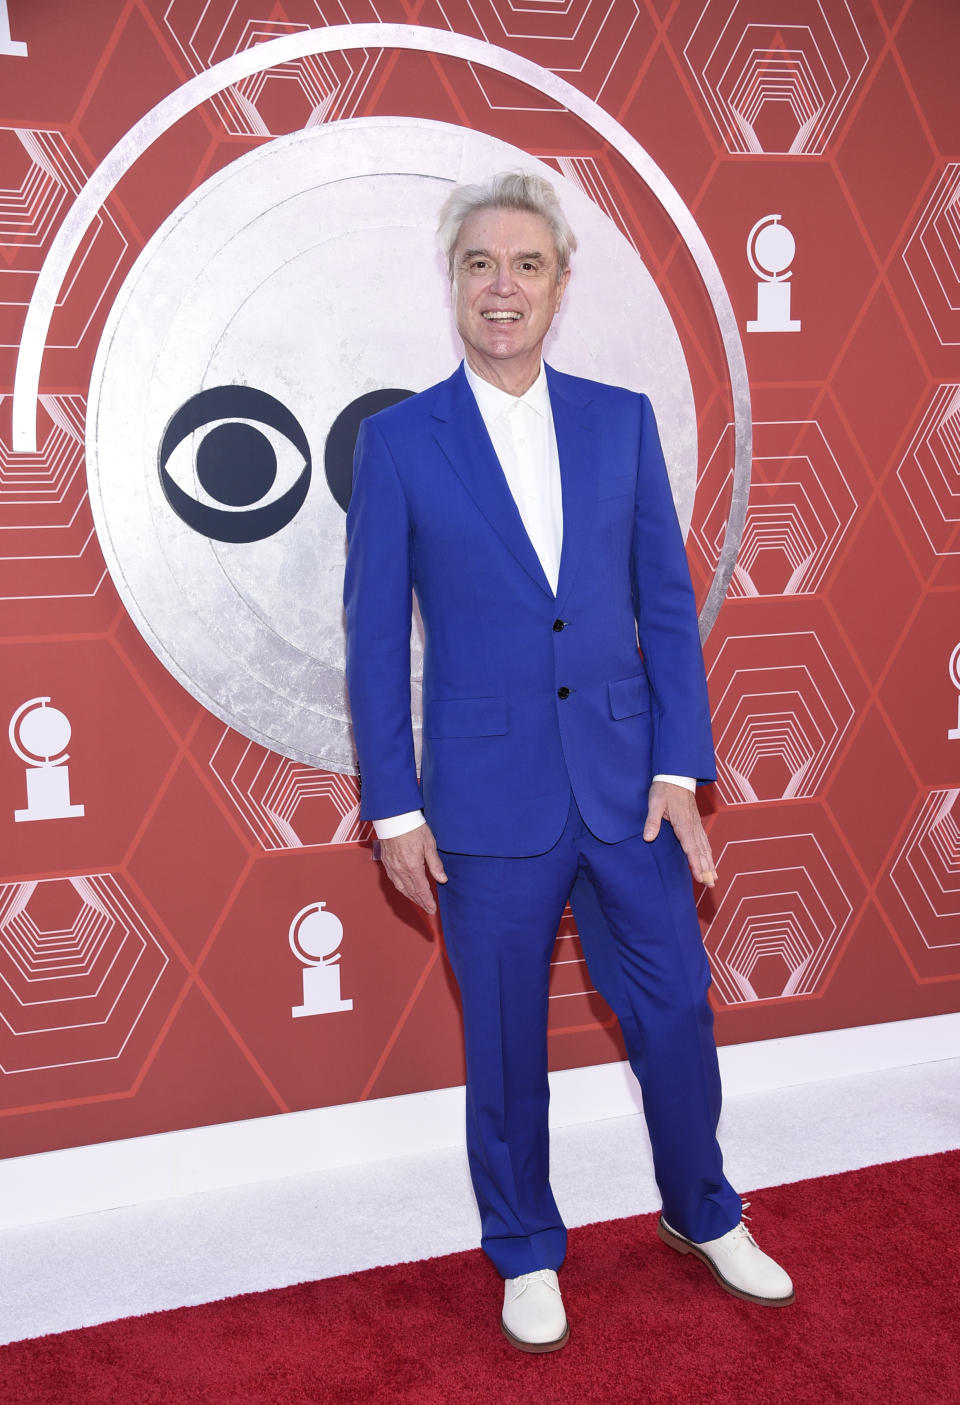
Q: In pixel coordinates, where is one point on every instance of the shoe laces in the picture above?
(740, 1232)
(522, 1282)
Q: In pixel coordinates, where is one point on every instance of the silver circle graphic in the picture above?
(289, 47)
(308, 271)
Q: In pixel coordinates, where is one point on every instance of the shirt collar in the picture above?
(493, 401)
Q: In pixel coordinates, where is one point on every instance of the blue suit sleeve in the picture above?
(667, 620)
(378, 596)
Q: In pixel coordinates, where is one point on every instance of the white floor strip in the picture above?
(92, 1268)
(54, 1185)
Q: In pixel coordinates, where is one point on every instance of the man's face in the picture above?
(506, 292)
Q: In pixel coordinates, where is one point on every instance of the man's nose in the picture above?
(503, 282)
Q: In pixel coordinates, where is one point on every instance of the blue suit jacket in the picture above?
(431, 512)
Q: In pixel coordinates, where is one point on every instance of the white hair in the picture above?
(508, 190)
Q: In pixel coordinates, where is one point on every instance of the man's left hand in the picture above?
(679, 808)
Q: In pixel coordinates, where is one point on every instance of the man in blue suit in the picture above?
(531, 513)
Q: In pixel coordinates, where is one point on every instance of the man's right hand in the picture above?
(409, 859)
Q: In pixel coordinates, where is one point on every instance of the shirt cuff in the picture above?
(398, 824)
(687, 782)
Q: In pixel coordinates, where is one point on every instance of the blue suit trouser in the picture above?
(633, 903)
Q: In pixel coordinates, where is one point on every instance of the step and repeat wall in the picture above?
(217, 255)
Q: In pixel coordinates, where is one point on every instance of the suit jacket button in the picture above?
(563, 692)
(558, 625)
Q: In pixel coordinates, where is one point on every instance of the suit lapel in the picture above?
(462, 435)
(573, 420)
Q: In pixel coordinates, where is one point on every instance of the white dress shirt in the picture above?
(522, 433)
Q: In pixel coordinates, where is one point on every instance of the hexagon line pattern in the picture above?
(585, 173)
(50, 177)
(565, 36)
(285, 804)
(48, 549)
(783, 922)
(932, 256)
(334, 87)
(35, 480)
(926, 871)
(930, 471)
(331, 86)
(29, 211)
(777, 723)
(72, 990)
(744, 68)
(799, 509)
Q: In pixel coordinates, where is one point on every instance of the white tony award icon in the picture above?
(770, 251)
(953, 734)
(315, 936)
(39, 734)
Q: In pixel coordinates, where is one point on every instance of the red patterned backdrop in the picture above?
(146, 978)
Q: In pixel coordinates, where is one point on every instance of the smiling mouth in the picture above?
(501, 316)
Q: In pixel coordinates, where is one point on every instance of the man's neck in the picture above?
(505, 375)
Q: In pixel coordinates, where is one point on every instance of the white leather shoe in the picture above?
(533, 1316)
(737, 1263)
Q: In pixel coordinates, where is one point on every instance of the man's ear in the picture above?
(562, 286)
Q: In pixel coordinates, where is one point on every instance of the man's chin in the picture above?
(502, 348)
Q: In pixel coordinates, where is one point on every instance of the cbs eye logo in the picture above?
(240, 464)
(235, 463)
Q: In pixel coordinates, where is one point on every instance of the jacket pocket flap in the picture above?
(628, 696)
(466, 717)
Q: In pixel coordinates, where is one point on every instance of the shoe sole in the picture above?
(535, 1346)
(684, 1246)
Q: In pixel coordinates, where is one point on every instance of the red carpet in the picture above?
(875, 1255)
